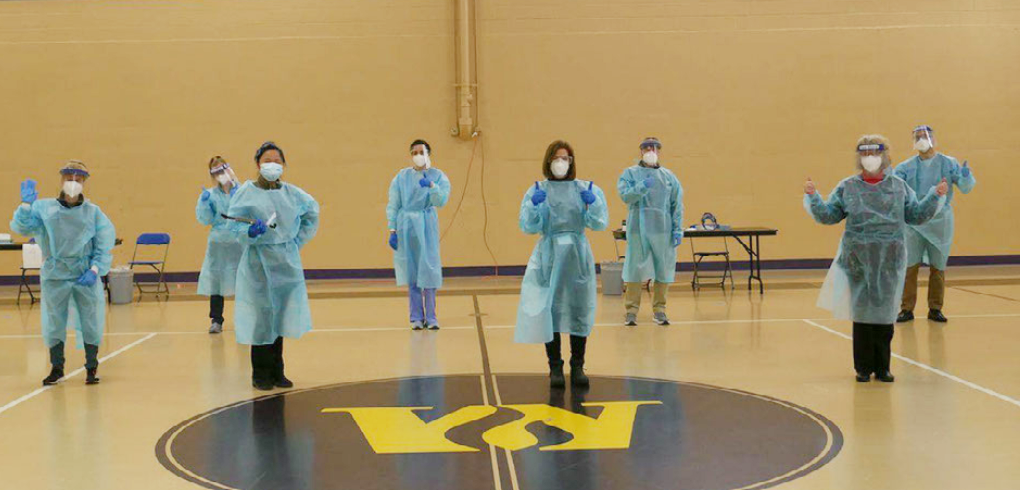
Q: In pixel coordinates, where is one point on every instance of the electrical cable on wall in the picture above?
(467, 179)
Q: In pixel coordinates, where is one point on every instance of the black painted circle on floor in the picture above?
(439, 433)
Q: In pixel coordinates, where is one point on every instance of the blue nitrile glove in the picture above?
(677, 237)
(89, 278)
(393, 240)
(28, 192)
(588, 196)
(538, 197)
(649, 182)
(205, 195)
(233, 189)
(257, 229)
(966, 170)
(425, 182)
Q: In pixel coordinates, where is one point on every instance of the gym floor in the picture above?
(741, 391)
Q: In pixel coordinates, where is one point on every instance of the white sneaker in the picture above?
(216, 328)
(660, 318)
(630, 320)
(417, 325)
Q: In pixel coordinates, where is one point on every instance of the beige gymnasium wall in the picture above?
(749, 98)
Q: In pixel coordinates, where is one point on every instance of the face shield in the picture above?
(924, 138)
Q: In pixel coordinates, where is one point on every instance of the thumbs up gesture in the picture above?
(538, 197)
(588, 196)
(943, 188)
(809, 186)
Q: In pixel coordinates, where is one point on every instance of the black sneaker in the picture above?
(90, 377)
(863, 377)
(905, 316)
(937, 316)
(885, 377)
(262, 384)
(55, 375)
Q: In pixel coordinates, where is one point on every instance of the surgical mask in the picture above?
(871, 163)
(421, 161)
(560, 167)
(271, 171)
(72, 189)
(922, 145)
(223, 178)
(650, 158)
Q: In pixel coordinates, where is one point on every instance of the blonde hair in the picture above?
(873, 139)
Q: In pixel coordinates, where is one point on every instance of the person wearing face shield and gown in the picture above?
(865, 281)
(415, 194)
(76, 239)
(271, 299)
(930, 242)
(222, 253)
(558, 290)
(655, 216)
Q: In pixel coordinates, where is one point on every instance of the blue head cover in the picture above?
(924, 127)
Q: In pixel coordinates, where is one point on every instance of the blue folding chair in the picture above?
(148, 241)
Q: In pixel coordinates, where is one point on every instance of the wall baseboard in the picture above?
(518, 270)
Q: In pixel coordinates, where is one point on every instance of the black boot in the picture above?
(279, 379)
(578, 345)
(91, 364)
(863, 377)
(262, 367)
(885, 377)
(56, 373)
(552, 352)
(57, 361)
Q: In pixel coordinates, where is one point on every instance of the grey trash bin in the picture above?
(122, 286)
(612, 278)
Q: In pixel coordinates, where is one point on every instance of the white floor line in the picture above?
(74, 373)
(509, 454)
(500, 327)
(926, 367)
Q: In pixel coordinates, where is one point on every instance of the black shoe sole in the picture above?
(92, 381)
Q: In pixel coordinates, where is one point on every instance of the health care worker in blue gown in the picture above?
(558, 290)
(222, 253)
(76, 239)
(930, 243)
(415, 194)
(655, 216)
(866, 278)
(271, 300)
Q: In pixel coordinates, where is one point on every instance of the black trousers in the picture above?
(216, 308)
(267, 361)
(872, 347)
(91, 356)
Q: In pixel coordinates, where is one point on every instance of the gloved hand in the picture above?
(258, 228)
(393, 240)
(588, 196)
(538, 197)
(649, 182)
(677, 237)
(89, 278)
(205, 195)
(965, 172)
(28, 192)
(425, 182)
(233, 189)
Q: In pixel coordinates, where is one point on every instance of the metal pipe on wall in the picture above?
(467, 85)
